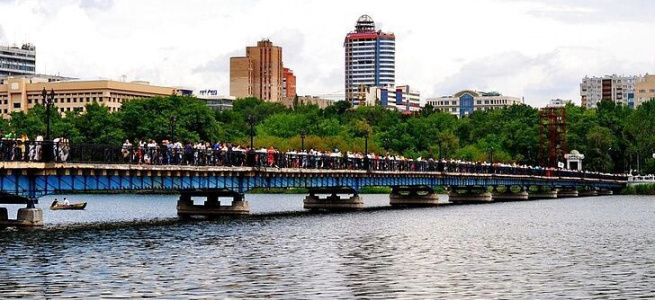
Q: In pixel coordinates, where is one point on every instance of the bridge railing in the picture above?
(16, 150)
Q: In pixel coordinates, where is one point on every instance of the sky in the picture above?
(539, 50)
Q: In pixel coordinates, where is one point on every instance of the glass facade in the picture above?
(465, 105)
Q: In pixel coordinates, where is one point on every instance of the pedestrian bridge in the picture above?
(25, 182)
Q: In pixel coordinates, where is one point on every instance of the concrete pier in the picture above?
(588, 193)
(29, 217)
(567, 193)
(212, 206)
(509, 195)
(552, 194)
(462, 195)
(333, 202)
(413, 196)
(605, 192)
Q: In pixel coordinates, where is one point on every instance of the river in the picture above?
(132, 246)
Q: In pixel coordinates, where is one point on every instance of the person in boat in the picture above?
(54, 203)
(66, 201)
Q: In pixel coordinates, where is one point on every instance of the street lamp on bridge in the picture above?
(251, 122)
(250, 156)
(491, 154)
(48, 102)
(439, 142)
(303, 133)
(172, 122)
(366, 162)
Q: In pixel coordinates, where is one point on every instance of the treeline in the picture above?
(613, 138)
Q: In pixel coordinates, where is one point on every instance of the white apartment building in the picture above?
(401, 98)
(620, 89)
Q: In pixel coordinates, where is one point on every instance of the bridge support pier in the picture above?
(588, 193)
(543, 192)
(469, 194)
(334, 201)
(567, 192)
(605, 192)
(414, 196)
(509, 195)
(29, 216)
(212, 206)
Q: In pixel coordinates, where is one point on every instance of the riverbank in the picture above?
(641, 189)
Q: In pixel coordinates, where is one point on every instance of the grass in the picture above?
(642, 189)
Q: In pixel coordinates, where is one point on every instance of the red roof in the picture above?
(357, 35)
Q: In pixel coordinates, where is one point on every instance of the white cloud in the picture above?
(536, 49)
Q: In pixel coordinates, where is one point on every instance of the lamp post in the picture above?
(251, 122)
(48, 102)
(250, 156)
(491, 154)
(439, 142)
(366, 162)
(172, 122)
(385, 143)
(303, 133)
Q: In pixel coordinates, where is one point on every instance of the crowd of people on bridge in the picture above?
(149, 152)
(228, 154)
(20, 148)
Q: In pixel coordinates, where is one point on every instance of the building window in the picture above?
(17, 105)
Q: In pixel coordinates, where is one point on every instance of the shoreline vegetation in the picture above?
(641, 189)
(507, 135)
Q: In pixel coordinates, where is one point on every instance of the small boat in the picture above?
(76, 206)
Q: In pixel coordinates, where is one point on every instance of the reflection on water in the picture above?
(599, 247)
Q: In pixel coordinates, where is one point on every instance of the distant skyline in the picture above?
(539, 50)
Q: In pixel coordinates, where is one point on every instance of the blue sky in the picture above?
(534, 49)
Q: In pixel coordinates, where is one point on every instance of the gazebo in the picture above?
(574, 160)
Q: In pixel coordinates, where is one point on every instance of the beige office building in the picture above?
(261, 74)
(23, 93)
(467, 102)
(645, 89)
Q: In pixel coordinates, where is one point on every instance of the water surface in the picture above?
(601, 247)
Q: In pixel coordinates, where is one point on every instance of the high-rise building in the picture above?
(288, 84)
(620, 89)
(370, 60)
(645, 89)
(261, 74)
(18, 61)
(466, 102)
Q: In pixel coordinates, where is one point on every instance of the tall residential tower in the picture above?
(261, 74)
(370, 60)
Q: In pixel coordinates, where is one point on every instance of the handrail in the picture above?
(64, 152)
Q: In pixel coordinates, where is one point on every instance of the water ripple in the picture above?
(555, 249)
